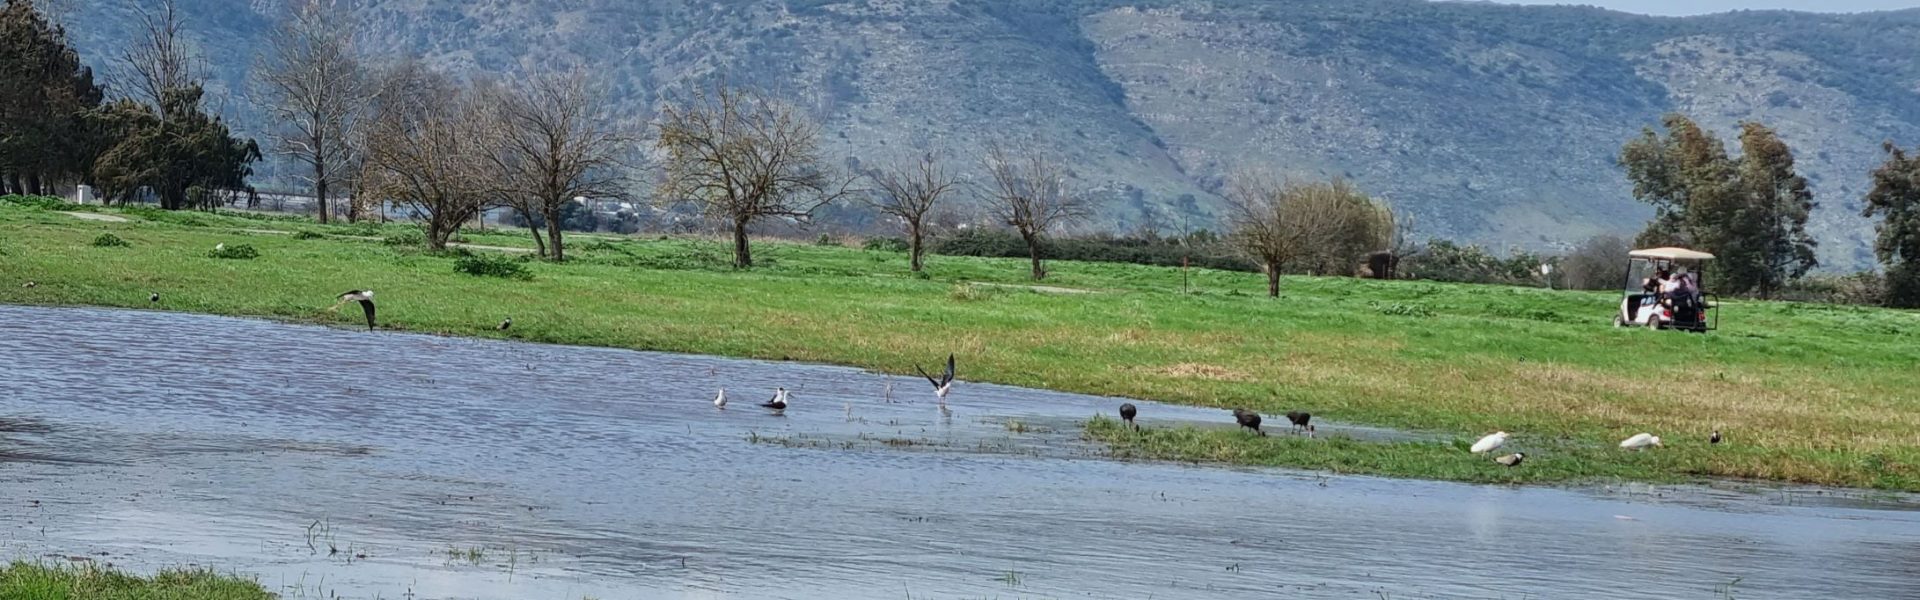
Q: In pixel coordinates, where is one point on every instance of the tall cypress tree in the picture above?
(1766, 229)
(44, 103)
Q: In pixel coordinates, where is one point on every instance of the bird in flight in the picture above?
(364, 297)
(778, 403)
(944, 384)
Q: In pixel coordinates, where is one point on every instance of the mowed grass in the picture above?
(25, 581)
(1804, 393)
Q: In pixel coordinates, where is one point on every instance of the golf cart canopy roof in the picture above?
(1670, 254)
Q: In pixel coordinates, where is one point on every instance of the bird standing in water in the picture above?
(779, 402)
(1248, 419)
(1127, 411)
(720, 401)
(364, 297)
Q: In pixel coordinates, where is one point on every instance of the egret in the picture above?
(30, 285)
(720, 401)
(364, 297)
(779, 402)
(1490, 443)
(1640, 441)
(1127, 411)
(1249, 420)
(1512, 460)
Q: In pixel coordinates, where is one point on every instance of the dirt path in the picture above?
(87, 216)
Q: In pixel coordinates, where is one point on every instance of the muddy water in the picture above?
(334, 462)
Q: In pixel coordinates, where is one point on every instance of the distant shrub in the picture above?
(39, 202)
(885, 244)
(1402, 310)
(826, 240)
(482, 265)
(108, 240)
(1443, 260)
(236, 251)
(175, 217)
(1201, 249)
(1864, 288)
(405, 238)
(307, 235)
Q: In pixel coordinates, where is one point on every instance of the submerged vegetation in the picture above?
(1804, 393)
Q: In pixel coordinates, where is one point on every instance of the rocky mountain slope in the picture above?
(1491, 123)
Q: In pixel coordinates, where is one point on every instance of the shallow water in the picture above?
(336, 462)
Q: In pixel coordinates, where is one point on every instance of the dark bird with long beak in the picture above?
(1248, 419)
(364, 297)
(1127, 411)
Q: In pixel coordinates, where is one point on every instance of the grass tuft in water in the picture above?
(40, 582)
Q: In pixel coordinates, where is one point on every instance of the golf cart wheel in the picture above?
(1619, 322)
(1653, 323)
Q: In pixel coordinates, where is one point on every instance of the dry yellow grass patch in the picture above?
(1197, 371)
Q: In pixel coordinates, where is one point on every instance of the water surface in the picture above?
(337, 462)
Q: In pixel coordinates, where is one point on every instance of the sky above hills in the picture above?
(1700, 7)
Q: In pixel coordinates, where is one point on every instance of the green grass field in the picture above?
(23, 581)
(1804, 393)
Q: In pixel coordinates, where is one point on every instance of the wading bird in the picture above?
(153, 298)
(1301, 420)
(1490, 443)
(1640, 441)
(1512, 460)
(720, 401)
(507, 324)
(364, 297)
(1127, 411)
(1715, 438)
(30, 285)
(779, 402)
(1249, 420)
(220, 247)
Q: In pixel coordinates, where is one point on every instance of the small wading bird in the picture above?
(720, 401)
(1715, 438)
(364, 297)
(1512, 460)
(1127, 411)
(1301, 420)
(1490, 443)
(30, 285)
(1640, 441)
(153, 298)
(507, 324)
(1249, 420)
(779, 402)
(944, 384)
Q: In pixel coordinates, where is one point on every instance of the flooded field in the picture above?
(338, 463)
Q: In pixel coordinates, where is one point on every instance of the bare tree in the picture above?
(318, 89)
(1317, 225)
(426, 148)
(1029, 193)
(160, 62)
(909, 190)
(743, 157)
(558, 141)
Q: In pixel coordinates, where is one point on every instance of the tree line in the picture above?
(448, 149)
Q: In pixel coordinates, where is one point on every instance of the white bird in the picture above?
(220, 246)
(779, 401)
(720, 401)
(364, 297)
(1640, 441)
(1490, 443)
(944, 384)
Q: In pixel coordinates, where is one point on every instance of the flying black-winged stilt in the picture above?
(364, 297)
(943, 385)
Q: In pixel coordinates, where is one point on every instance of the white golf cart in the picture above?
(1650, 302)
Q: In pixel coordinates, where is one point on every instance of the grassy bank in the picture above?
(1804, 393)
(36, 582)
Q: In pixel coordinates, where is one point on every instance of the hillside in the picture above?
(1491, 123)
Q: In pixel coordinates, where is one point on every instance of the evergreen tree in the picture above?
(43, 103)
(1895, 198)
